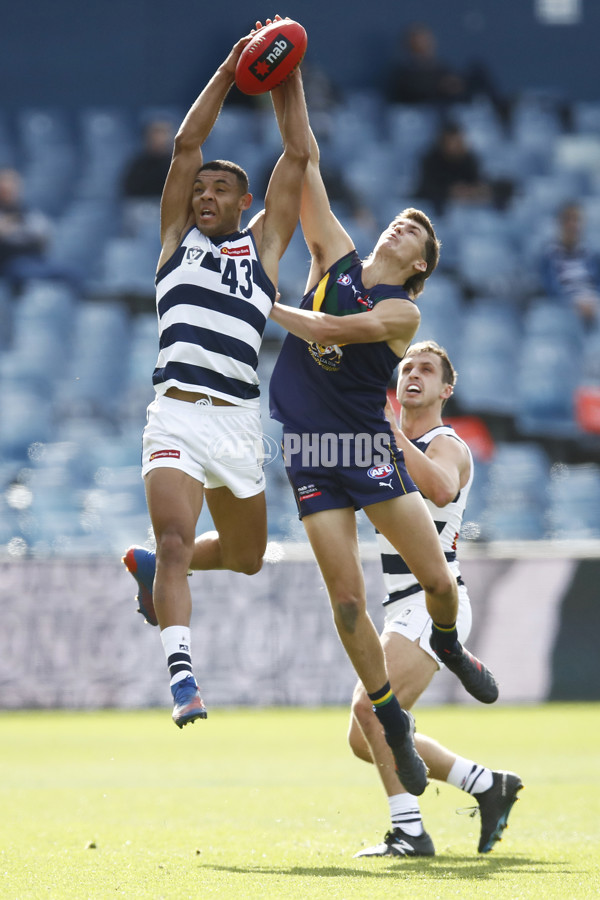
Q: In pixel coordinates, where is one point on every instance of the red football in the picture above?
(270, 57)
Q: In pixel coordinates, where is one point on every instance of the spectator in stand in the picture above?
(570, 270)
(144, 176)
(25, 236)
(450, 171)
(418, 75)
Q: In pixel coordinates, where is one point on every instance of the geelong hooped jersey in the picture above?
(397, 576)
(213, 299)
(335, 389)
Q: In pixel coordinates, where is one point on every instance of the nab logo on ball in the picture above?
(270, 58)
(380, 471)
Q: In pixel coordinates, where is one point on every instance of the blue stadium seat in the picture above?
(550, 318)
(547, 376)
(129, 267)
(516, 492)
(574, 509)
(488, 265)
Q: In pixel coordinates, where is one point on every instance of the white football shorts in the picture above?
(221, 446)
(409, 617)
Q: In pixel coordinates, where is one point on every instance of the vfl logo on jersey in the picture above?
(236, 251)
(344, 279)
(378, 472)
(329, 358)
(193, 255)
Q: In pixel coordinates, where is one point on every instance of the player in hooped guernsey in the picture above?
(328, 390)
(213, 300)
(441, 465)
(215, 286)
(398, 579)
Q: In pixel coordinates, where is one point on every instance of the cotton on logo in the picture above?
(380, 471)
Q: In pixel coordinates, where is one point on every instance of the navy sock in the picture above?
(444, 638)
(388, 710)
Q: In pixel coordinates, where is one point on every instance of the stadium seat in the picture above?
(574, 508)
(488, 265)
(516, 492)
(129, 267)
(547, 377)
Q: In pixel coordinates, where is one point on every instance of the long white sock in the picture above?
(405, 813)
(176, 640)
(469, 776)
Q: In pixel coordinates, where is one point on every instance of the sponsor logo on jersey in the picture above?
(236, 251)
(380, 471)
(364, 301)
(306, 491)
(158, 454)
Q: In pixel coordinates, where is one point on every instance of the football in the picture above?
(270, 57)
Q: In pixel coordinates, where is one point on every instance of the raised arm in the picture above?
(326, 238)
(274, 227)
(176, 203)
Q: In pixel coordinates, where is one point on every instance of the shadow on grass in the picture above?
(441, 866)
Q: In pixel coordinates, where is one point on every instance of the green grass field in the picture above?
(271, 804)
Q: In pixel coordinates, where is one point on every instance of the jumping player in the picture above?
(328, 389)
(441, 465)
(215, 286)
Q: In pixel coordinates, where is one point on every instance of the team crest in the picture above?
(329, 358)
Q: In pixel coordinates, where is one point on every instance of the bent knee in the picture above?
(443, 586)
(245, 565)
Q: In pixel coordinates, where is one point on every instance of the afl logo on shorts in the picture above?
(380, 471)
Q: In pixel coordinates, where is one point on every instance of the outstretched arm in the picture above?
(393, 320)
(274, 227)
(176, 203)
(326, 238)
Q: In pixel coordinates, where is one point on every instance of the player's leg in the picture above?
(240, 539)
(238, 544)
(408, 526)
(410, 670)
(332, 534)
(174, 503)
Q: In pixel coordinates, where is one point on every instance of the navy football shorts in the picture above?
(319, 487)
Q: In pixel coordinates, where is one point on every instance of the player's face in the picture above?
(217, 202)
(406, 239)
(420, 381)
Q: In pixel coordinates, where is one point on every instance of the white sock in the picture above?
(405, 814)
(469, 776)
(176, 640)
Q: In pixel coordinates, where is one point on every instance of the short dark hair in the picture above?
(415, 284)
(224, 165)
